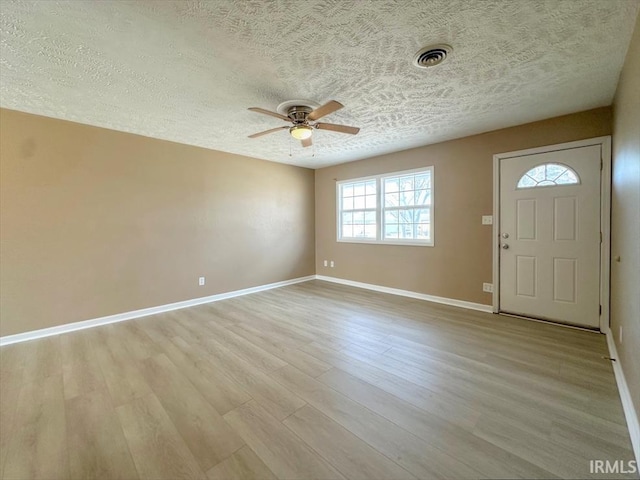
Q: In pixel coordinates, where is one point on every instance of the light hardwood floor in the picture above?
(313, 380)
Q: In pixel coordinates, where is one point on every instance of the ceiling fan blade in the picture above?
(337, 128)
(256, 135)
(306, 142)
(267, 112)
(325, 109)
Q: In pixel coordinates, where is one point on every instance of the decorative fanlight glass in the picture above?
(548, 174)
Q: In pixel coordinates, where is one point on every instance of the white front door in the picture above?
(550, 235)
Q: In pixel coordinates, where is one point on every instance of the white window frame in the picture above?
(380, 240)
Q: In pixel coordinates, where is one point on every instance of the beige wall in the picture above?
(625, 219)
(461, 260)
(96, 222)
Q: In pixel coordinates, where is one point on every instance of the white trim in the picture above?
(495, 239)
(605, 216)
(410, 243)
(625, 396)
(605, 226)
(381, 175)
(120, 317)
(407, 293)
(553, 148)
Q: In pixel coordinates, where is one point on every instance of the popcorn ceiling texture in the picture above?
(187, 70)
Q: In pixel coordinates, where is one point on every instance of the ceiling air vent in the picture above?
(431, 56)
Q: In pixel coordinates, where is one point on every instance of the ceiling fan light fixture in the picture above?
(301, 132)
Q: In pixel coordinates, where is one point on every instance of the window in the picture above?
(548, 174)
(358, 213)
(395, 208)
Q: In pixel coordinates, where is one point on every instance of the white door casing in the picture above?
(551, 268)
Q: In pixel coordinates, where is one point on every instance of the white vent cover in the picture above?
(432, 55)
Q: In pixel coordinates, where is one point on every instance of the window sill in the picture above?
(407, 243)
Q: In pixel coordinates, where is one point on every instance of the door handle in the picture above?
(505, 246)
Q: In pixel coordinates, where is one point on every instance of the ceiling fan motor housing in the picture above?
(298, 114)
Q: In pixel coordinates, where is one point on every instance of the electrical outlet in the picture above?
(487, 219)
(332, 264)
(325, 263)
(487, 287)
(620, 336)
(201, 281)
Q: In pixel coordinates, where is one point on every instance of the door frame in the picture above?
(605, 216)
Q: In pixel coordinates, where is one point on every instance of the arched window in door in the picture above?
(547, 175)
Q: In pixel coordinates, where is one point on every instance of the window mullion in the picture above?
(379, 210)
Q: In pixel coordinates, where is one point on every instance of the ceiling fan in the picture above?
(304, 119)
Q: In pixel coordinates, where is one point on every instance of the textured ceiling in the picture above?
(187, 70)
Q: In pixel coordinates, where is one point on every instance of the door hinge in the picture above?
(600, 310)
(600, 237)
(601, 163)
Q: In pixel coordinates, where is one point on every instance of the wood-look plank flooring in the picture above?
(311, 381)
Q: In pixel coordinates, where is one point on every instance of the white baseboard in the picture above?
(407, 293)
(625, 397)
(120, 317)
